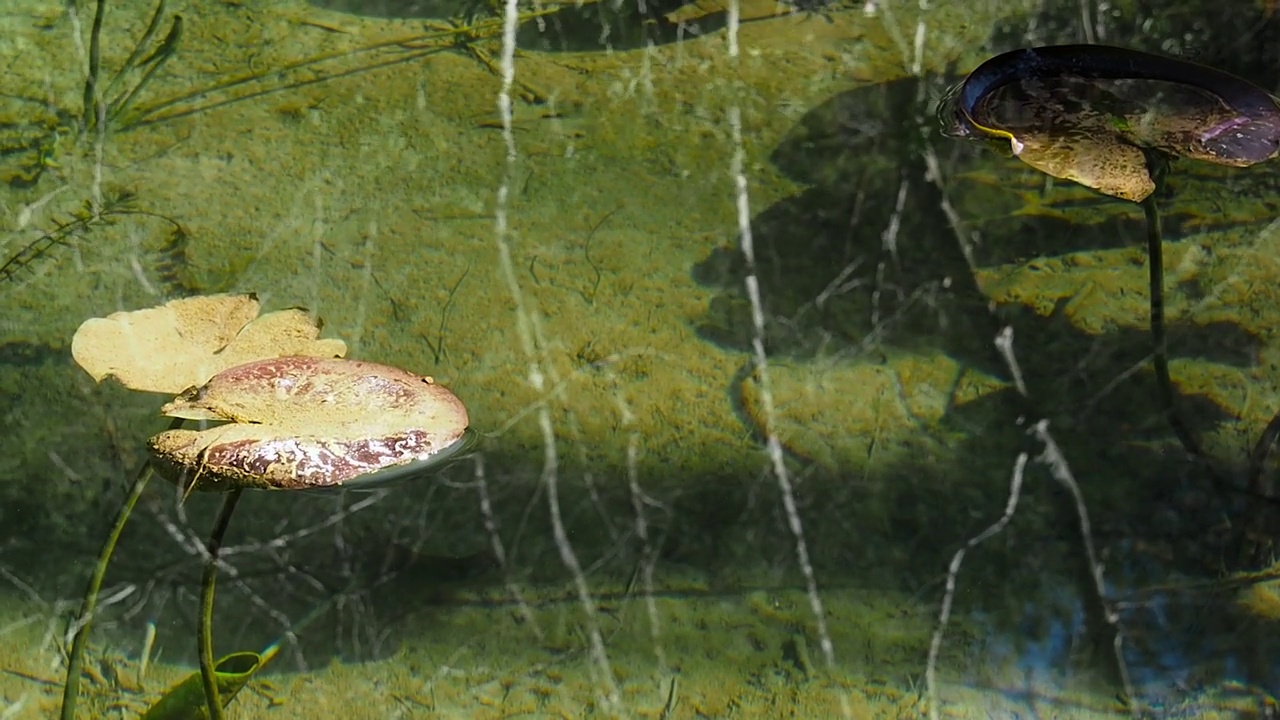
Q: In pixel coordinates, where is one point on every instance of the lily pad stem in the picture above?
(1157, 164)
(207, 584)
(89, 605)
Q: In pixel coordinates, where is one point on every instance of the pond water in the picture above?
(785, 404)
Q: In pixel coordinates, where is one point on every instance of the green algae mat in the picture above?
(785, 404)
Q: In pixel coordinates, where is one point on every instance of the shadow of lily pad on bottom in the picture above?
(186, 700)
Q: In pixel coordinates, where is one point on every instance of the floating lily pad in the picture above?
(184, 342)
(1091, 114)
(304, 422)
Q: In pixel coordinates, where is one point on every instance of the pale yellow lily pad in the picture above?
(184, 342)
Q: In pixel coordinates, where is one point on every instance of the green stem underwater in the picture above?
(89, 605)
(92, 93)
(1158, 165)
(207, 586)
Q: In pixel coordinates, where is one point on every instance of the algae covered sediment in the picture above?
(369, 198)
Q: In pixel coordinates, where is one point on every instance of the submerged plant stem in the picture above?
(89, 605)
(92, 93)
(168, 46)
(147, 36)
(1160, 343)
(207, 586)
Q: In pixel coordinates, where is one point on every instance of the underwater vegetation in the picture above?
(1113, 119)
(900, 509)
(39, 138)
(1096, 114)
(79, 226)
(1116, 120)
(297, 418)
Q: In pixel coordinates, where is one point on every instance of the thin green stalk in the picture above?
(1159, 342)
(207, 586)
(411, 46)
(147, 36)
(1157, 166)
(92, 93)
(168, 46)
(89, 605)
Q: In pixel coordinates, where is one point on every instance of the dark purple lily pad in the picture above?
(1092, 113)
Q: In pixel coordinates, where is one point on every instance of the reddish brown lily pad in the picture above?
(304, 422)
